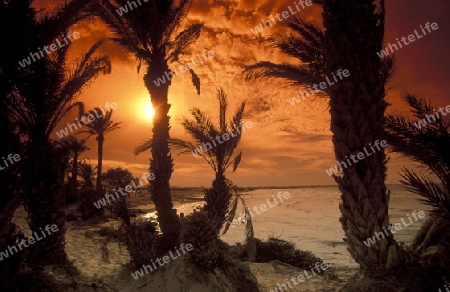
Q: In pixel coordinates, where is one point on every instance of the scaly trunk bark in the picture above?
(44, 202)
(218, 199)
(161, 163)
(354, 34)
(100, 140)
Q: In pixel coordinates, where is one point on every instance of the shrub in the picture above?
(278, 249)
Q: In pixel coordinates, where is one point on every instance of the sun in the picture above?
(149, 112)
(145, 111)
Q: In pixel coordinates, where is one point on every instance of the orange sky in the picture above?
(288, 145)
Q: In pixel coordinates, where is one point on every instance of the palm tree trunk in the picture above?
(9, 202)
(354, 33)
(161, 163)
(73, 178)
(218, 199)
(100, 140)
(44, 202)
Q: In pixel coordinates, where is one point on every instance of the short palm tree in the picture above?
(429, 146)
(219, 157)
(220, 205)
(75, 147)
(88, 193)
(44, 95)
(101, 125)
(150, 33)
(87, 173)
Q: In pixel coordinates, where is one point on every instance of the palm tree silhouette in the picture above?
(357, 109)
(101, 125)
(22, 17)
(221, 205)
(75, 147)
(429, 146)
(305, 42)
(87, 173)
(40, 100)
(149, 32)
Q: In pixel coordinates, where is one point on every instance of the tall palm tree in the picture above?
(75, 147)
(150, 33)
(102, 125)
(353, 35)
(43, 97)
(21, 16)
(427, 144)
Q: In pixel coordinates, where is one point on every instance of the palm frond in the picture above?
(432, 193)
(236, 161)
(222, 110)
(143, 147)
(183, 40)
(230, 214)
(294, 74)
(308, 30)
(195, 80)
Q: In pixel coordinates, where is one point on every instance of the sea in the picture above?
(310, 219)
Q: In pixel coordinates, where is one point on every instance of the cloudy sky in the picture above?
(288, 144)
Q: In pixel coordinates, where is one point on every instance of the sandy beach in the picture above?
(299, 219)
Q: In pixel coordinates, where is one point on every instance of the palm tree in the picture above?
(88, 193)
(220, 157)
(353, 35)
(149, 33)
(75, 147)
(305, 42)
(21, 16)
(42, 98)
(102, 125)
(429, 146)
(221, 205)
(87, 173)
